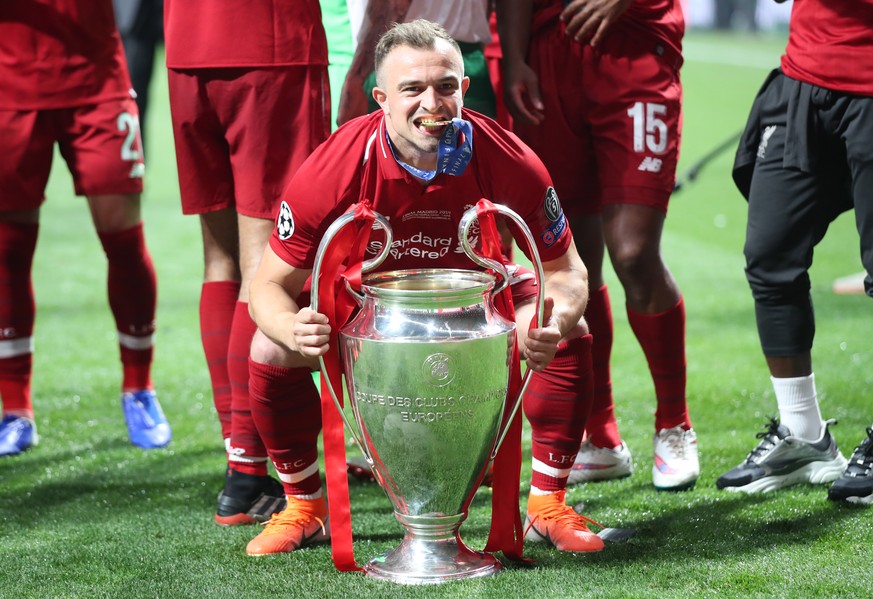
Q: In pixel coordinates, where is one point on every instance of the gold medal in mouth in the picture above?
(433, 123)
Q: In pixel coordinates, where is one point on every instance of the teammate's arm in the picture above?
(378, 17)
(589, 20)
(521, 88)
(274, 310)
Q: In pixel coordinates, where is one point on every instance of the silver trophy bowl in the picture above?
(427, 365)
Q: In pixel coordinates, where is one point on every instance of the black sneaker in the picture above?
(856, 483)
(781, 460)
(248, 499)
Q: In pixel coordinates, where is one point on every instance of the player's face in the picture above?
(421, 87)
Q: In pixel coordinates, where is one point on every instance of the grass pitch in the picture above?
(87, 514)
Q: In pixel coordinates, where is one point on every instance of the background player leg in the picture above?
(657, 316)
(603, 455)
(18, 234)
(233, 245)
(132, 290)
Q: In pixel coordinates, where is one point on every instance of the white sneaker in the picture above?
(676, 466)
(600, 463)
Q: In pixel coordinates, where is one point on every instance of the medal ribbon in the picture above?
(453, 153)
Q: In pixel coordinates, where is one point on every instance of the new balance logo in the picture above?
(651, 165)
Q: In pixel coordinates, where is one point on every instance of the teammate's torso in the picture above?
(830, 44)
(240, 33)
(661, 18)
(59, 53)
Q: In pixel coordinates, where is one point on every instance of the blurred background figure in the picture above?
(63, 88)
(141, 25)
(736, 14)
(249, 99)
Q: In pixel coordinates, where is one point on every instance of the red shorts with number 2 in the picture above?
(100, 144)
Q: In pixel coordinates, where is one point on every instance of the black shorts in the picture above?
(806, 157)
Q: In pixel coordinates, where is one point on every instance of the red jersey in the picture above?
(830, 44)
(243, 33)
(663, 19)
(60, 53)
(357, 163)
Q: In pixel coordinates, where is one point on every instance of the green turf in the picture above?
(85, 514)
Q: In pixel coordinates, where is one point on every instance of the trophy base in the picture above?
(417, 561)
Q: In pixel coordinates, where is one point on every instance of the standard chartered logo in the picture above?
(418, 245)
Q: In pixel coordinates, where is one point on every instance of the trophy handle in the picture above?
(463, 233)
(366, 266)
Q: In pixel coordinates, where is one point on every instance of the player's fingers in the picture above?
(601, 32)
(518, 108)
(578, 24)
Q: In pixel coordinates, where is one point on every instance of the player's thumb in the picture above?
(548, 305)
(536, 99)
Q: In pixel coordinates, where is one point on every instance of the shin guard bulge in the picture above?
(662, 338)
(601, 429)
(247, 452)
(132, 289)
(217, 305)
(557, 403)
(17, 314)
(286, 408)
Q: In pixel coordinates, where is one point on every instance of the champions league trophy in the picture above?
(427, 365)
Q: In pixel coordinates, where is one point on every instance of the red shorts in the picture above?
(100, 143)
(241, 133)
(613, 119)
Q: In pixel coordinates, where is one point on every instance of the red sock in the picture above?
(217, 304)
(557, 403)
(287, 409)
(17, 313)
(601, 429)
(133, 293)
(247, 453)
(662, 337)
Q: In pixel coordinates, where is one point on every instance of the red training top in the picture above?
(830, 44)
(255, 33)
(59, 53)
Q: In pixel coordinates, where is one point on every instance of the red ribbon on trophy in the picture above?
(506, 534)
(341, 265)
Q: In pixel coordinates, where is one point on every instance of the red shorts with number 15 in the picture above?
(612, 118)
(99, 142)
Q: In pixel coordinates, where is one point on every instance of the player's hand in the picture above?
(542, 343)
(521, 90)
(310, 333)
(589, 20)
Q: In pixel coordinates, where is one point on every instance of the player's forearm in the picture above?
(274, 311)
(568, 286)
(513, 27)
(272, 294)
(377, 19)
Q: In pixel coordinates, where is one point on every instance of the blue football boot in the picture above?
(146, 423)
(17, 434)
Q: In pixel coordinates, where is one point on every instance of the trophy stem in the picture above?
(431, 552)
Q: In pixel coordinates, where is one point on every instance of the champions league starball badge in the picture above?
(555, 214)
(551, 205)
(285, 222)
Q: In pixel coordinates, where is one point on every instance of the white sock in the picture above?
(798, 406)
